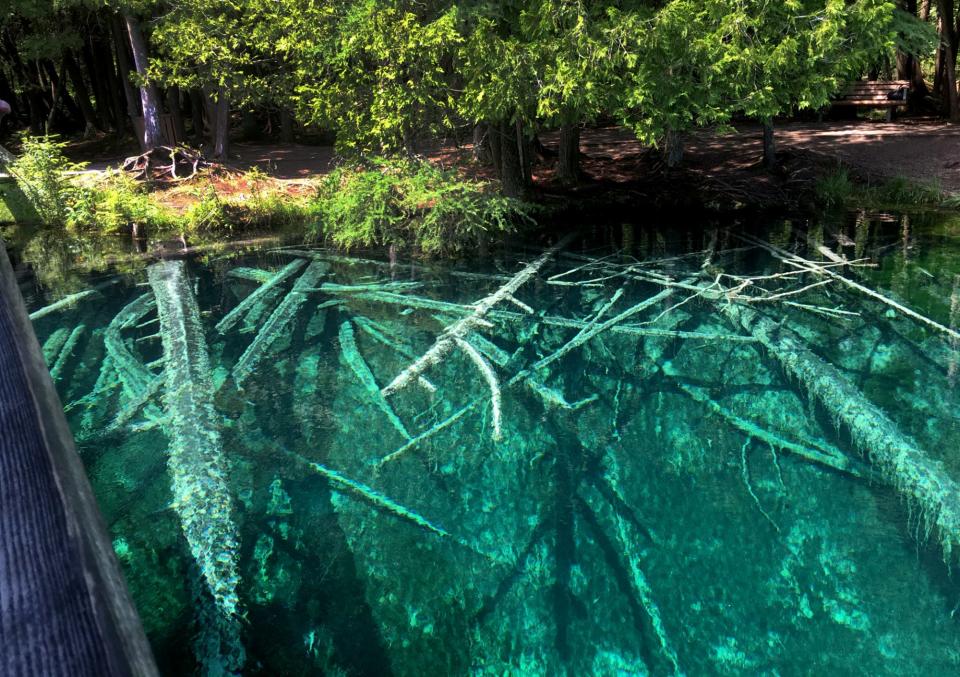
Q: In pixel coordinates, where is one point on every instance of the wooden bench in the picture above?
(889, 94)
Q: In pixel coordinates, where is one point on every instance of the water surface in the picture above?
(659, 498)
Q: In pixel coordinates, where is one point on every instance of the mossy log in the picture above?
(278, 321)
(901, 461)
(65, 302)
(247, 304)
(460, 329)
(195, 459)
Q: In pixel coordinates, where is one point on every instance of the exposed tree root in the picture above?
(165, 163)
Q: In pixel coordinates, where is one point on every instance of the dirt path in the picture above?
(917, 149)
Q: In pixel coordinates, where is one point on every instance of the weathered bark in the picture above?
(121, 43)
(568, 162)
(673, 148)
(769, 145)
(90, 122)
(149, 97)
(511, 164)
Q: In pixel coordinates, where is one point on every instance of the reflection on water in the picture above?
(613, 466)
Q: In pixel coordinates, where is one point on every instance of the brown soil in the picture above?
(721, 166)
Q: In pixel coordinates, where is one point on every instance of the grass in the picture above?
(383, 203)
(838, 189)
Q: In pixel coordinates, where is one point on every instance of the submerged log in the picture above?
(65, 302)
(195, 459)
(460, 329)
(353, 358)
(245, 306)
(920, 479)
(277, 323)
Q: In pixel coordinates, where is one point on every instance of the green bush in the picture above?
(114, 202)
(39, 172)
(412, 203)
(838, 189)
(209, 214)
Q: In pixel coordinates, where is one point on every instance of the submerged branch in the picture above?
(464, 326)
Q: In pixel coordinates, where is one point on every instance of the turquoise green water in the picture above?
(658, 497)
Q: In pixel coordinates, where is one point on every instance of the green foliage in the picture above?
(402, 202)
(39, 171)
(208, 214)
(837, 189)
(902, 191)
(834, 189)
(114, 203)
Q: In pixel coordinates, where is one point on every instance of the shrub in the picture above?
(210, 213)
(114, 202)
(39, 172)
(406, 202)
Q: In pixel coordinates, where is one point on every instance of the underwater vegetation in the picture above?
(725, 456)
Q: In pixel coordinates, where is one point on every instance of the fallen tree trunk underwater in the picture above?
(196, 462)
(920, 479)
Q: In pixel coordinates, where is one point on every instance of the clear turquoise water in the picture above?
(642, 530)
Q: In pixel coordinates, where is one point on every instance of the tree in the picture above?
(149, 97)
(702, 62)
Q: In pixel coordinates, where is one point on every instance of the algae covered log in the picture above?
(353, 358)
(278, 321)
(899, 458)
(464, 326)
(258, 295)
(65, 302)
(198, 469)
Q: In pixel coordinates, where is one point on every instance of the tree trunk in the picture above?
(481, 143)
(524, 147)
(511, 163)
(90, 121)
(769, 145)
(221, 125)
(196, 114)
(673, 148)
(286, 126)
(568, 162)
(176, 112)
(496, 144)
(949, 79)
(58, 85)
(100, 82)
(149, 98)
(120, 43)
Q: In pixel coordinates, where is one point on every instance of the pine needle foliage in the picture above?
(413, 203)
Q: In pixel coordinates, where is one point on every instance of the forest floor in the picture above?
(725, 164)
